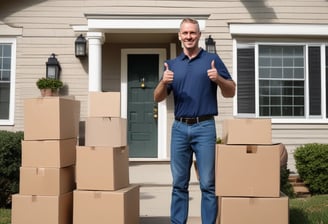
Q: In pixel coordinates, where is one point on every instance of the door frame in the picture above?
(162, 109)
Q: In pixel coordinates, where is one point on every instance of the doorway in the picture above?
(143, 68)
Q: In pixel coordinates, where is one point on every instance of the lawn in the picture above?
(310, 210)
(4, 216)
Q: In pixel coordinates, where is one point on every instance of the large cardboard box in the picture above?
(103, 207)
(49, 153)
(53, 117)
(248, 170)
(36, 209)
(235, 210)
(104, 104)
(105, 131)
(247, 131)
(102, 168)
(46, 181)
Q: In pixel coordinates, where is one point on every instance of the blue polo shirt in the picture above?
(194, 93)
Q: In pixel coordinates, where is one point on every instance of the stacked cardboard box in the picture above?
(104, 194)
(248, 174)
(47, 172)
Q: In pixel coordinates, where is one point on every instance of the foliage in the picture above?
(285, 186)
(311, 210)
(5, 216)
(312, 166)
(49, 83)
(10, 161)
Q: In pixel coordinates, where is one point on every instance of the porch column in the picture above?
(95, 41)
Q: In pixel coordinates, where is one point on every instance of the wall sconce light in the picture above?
(53, 67)
(80, 46)
(210, 45)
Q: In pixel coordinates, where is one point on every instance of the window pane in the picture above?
(264, 61)
(288, 62)
(264, 72)
(7, 50)
(282, 93)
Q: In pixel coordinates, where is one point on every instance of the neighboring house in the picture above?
(276, 51)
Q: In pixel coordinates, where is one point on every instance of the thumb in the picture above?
(166, 66)
(212, 64)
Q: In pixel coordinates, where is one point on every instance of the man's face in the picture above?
(189, 35)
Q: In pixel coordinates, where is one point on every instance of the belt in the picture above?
(193, 120)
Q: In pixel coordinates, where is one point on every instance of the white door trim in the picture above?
(162, 109)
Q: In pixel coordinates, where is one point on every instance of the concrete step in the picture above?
(300, 189)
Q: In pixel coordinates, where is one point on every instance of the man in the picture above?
(193, 77)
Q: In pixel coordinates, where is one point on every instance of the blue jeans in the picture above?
(199, 138)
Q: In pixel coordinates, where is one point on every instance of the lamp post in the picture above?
(53, 67)
(210, 45)
(80, 46)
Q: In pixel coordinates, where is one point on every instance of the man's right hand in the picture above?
(168, 75)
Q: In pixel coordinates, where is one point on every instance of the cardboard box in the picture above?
(234, 210)
(247, 131)
(102, 168)
(104, 104)
(102, 131)
(46, 181)
(49, 153)
(42, 209)
(49, 118)
(248, 170)
(103, 207)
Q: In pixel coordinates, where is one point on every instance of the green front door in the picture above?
(142, 124)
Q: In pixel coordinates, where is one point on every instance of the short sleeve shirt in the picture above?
(194, 93)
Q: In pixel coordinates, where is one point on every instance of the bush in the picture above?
(312, 166)
(285, 186)
(10, 161)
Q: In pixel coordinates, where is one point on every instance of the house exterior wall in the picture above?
(47, 28)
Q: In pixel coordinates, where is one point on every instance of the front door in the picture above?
(142, 110)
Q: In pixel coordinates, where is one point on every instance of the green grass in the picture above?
(311, 210)
(5, 216)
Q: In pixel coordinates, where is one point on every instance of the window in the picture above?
(7, 68)
(282, 81)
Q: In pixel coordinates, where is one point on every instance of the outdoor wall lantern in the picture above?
(53, 67)
(210, 45)
(80, 46)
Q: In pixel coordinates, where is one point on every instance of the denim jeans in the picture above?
(199, 138)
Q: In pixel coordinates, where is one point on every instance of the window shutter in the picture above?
(314, 81)
(246, 81)
(326, 82)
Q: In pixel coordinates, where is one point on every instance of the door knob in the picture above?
(155, 112)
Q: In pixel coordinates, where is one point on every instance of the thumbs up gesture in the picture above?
(212, 73)
(168, 74)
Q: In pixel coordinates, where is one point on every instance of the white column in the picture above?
(95, 41)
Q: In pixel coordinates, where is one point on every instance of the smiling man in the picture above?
(194, 77)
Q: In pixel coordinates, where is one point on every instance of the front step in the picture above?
(300, 189)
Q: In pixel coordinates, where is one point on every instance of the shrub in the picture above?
(49, 83)
(10, 161)
(285, 186)
(312, 166)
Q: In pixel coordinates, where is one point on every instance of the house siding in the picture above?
(47, 28)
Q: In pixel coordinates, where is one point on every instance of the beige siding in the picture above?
(47, 28)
